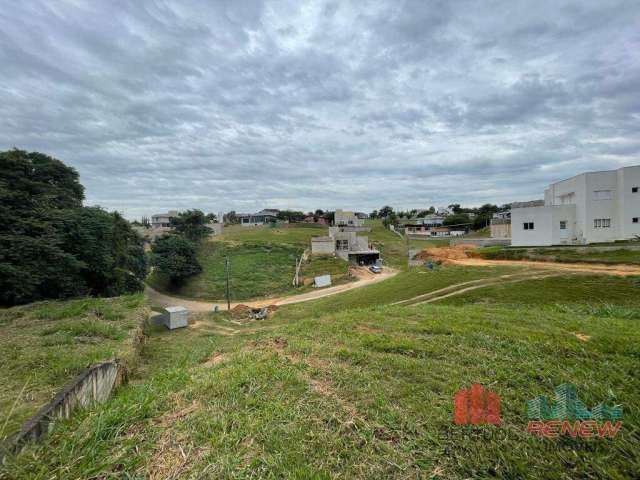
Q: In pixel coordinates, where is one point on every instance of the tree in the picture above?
(391, 219)
(374, 214)
(385, 211)
(111, 255)
(51, 246)
(291, 215)
(319, 212)
(191, 224)
(456, 219)
(455, 208)
(230, 217)
(145, 222)
(175, 257)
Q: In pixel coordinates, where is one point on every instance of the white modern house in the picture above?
(589, 208)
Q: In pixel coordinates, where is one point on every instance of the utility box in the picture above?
(176, 317)
(323, 281)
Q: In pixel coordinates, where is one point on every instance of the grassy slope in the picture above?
(577, 289)
(262, 261)
(362, 393)
(262, 264)
(44, 345)
(565, 255)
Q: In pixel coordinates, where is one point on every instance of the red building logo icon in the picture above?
(476, 406)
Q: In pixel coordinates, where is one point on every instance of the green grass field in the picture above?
(357, 393)
(580, 290)
(564, 255)
(351, 386)
(44, 345)
(263, 262)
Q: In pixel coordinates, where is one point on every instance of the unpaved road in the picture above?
(364, 278)
(458, 256)
(621, 270)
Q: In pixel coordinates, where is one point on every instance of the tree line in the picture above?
(476, 217)
(51, 246)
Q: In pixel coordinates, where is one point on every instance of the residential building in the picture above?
(344, 218)
(318, 220)
(589, 208)
(432, 226)
(163, 220)
(266, 216)
(345, 244)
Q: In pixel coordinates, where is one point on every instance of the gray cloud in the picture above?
(249, 104)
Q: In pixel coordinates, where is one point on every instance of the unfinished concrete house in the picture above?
(349, 221)
(346, 245)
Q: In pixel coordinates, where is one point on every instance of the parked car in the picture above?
(375, 269)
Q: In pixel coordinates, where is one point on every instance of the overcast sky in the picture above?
(223, 105)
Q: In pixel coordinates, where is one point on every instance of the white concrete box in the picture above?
(176, 317)
(323, 281)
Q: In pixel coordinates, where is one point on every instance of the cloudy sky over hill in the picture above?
(248, 104)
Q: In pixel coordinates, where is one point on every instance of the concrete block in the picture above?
(323, 281)
(176, 317)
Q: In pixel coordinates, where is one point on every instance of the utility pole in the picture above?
(226, 267)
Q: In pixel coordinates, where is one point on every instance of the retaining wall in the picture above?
(93, 385)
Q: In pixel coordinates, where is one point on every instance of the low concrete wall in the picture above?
(480, 242)
(93, 385)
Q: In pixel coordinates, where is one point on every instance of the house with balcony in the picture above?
(591, 207)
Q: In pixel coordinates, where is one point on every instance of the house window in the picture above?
(563, 224)
(601, 223)
(342, 244)
(528, 225)
(602, 195)
(634, 189)
(635, 219)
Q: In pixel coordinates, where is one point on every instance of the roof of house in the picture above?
(532, 203)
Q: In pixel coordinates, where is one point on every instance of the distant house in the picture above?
(315, 219)
(163, 220)
(362, 215)
(345, 218)
(588, 208)
(500, 226)
(263, 217)
(346, 245)
(432, 226)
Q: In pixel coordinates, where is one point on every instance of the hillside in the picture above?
(45, 344)
(335, 388)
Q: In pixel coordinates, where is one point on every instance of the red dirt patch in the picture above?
(445, 254)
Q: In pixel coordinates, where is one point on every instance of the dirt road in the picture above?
(364, 278)
(458, 256)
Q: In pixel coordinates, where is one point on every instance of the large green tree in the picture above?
(51, 246)
(175, 257)
(191, 224)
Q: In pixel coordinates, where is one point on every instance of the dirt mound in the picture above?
(240, 310)
(245, 311)
(445, 254)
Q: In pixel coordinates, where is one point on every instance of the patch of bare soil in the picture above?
(361, 327)
(445, 254)
(215, 359)
(582, 337)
